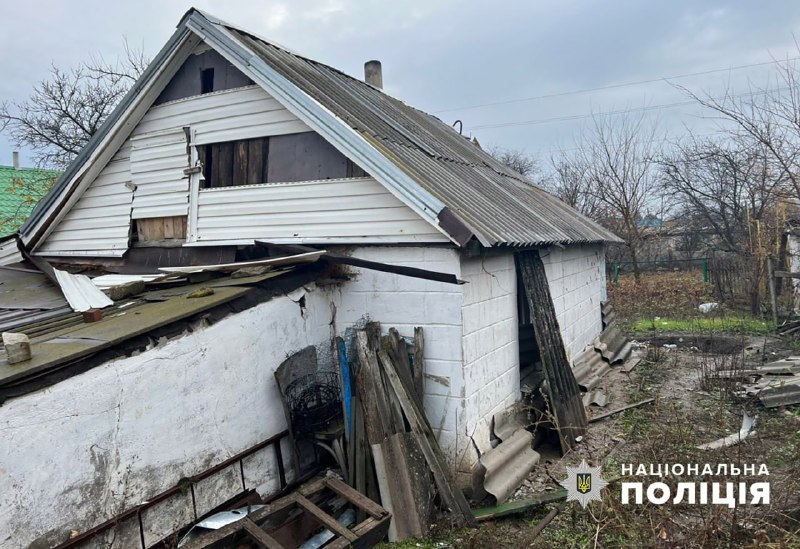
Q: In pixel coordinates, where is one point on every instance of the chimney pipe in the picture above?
(373, 74)
(15, 159)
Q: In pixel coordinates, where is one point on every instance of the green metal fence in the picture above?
(667, 264)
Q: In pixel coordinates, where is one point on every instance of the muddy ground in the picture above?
(689, 410)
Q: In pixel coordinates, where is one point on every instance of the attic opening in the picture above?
(275, 159)
(206, 81)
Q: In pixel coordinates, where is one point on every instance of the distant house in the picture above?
(228, 142)
(20, 190)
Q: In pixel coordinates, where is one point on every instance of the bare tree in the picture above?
(617, 157)
(518, 160)
(767, 117)
(569, 180)
(68, 107)
(730, 190)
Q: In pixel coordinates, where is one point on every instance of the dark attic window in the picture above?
(277, 159)
(206, 81)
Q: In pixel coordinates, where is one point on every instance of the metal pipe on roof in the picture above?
(15, 159)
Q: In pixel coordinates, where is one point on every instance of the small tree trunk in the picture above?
(635, 262)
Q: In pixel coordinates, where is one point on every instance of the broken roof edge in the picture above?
(228, 299)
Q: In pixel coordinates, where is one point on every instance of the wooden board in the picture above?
(159, 229)
(453, 498)
(566, 405)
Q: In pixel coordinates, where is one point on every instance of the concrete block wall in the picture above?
(490, 346)
(577, 278)
(403, 303)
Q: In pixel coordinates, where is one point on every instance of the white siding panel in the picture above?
(224, 116)
(99, 223)
(347, 209)
(153, 159)
(157, 164)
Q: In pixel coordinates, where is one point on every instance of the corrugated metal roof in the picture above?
(492, 199)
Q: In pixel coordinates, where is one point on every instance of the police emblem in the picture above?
(583, 484)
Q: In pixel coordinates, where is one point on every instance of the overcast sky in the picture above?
(447, 57)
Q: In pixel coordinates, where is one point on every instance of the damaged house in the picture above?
(234, 155)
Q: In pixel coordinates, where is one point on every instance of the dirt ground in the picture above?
(689, 409)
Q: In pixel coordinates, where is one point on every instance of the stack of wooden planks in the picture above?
(393, 452)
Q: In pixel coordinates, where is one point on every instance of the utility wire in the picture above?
(612, 86)
(615, 112)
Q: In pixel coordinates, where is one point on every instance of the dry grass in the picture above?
(669, 294)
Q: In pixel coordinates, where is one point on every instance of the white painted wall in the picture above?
(403, 303)
(333, 210)
(577, 278)
(490, 345)
(100, 442)
(78, 452)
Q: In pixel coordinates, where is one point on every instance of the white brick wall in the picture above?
(490, 345)
(577, 278)
(403, 303)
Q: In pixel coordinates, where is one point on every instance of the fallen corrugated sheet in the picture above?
(785, 395)
(613, 345)
(598, 397)
(589, 368)
(80, 292)
(608, 314)
(308, 257)
(501, 470)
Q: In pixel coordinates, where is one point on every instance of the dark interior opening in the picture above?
(206, 81)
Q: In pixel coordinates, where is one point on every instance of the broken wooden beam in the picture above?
(365, 264)
(624, 408)
(518, 507)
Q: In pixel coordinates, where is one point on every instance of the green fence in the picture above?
(666, 264)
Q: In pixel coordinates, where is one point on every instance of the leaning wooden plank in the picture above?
(377, 414)
(385, 490)
(566, 405)
(259, 536)
(454, 499)
(419, 362)
(410, 485)
(331, 523)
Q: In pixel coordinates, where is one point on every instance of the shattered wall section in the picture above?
(577, 278)
(101, 442)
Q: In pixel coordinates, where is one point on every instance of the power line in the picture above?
(569, 118)
(612, 86)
